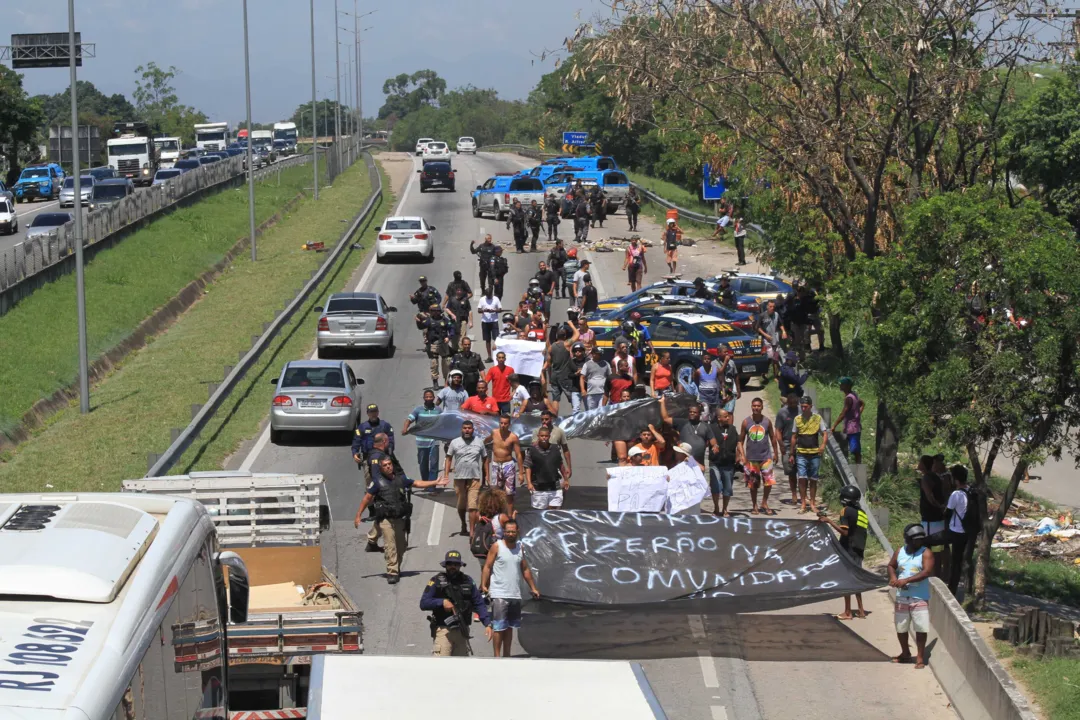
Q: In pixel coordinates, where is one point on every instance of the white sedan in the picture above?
(466, 145)
(405, 236)
(421, 144)
(436, 151)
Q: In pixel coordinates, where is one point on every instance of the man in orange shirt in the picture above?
(651, 442)
(481, 403)
(498, 379)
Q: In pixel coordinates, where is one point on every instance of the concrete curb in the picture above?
(977, 684)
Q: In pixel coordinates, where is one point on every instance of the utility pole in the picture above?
(337, 91)
(314, 105)
(80, 278)
(1074, 14)
(250, 154)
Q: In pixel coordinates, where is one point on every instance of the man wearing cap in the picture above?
(425, 296)
(369, 465)
(387, 493)
(437, 331)
(791, 381)
(364, 438)
(470, 364)
(636, 456)
(465, 457)
(452, 597)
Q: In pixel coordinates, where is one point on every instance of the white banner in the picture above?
(525, 356)
(687, 487)
(637, 489)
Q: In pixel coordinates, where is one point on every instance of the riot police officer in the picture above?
(425, 296)
(517, 220)
(437, 331)
(484, 254)
(451, 596)
(389, 492)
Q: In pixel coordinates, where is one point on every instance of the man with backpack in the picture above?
(963, 524)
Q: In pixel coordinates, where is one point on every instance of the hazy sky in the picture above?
(487, 43)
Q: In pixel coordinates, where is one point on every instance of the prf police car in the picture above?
(651, 306)
(496, 196)
(686, 336)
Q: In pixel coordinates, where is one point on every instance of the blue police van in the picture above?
(497, 194)
(39, 181)
(614, 183)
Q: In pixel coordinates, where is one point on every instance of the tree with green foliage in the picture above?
(326, 118)
(968, 330)
(158, 104)
(1043, 143)
(95, 109)
(408, 93)
(20, 118)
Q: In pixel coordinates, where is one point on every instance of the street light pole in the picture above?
(359, 97)
(80, 280)
(337, 91)
(250, 154)
(314, 111)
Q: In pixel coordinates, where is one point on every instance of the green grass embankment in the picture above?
(153, 390)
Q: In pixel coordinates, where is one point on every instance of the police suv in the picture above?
(496, 196)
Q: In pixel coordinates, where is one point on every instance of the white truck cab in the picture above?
(168, 149)
(212, 137)
(95, 590)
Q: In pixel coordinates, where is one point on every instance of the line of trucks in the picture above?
(204, 596)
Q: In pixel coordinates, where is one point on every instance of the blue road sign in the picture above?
(712, 186)
(575, 138)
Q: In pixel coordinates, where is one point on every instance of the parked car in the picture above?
(187, 165)
(314, 396)
(651, 306)
(163, 176)
(405, 236)
(67, 193)
(436, 150)
(466, 145)
(47, 224)
(753, 289)
(9, 219)
(355, 320)
(104, 172)
(421, 144)
(437, 175)
(110, 191)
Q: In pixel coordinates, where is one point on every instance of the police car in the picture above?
(752, 290)
(39, 181)
(651, 306)
(497, 195)
(685, 336)
(680, 288)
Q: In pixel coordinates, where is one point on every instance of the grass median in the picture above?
(1053, 683)
(124, 285)
(134, 409)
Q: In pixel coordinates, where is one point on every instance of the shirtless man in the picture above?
(506, 458)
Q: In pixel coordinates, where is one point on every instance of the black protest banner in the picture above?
(685, 563)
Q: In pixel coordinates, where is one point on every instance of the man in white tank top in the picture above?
(501, 579)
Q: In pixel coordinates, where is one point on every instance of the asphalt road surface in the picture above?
(697, 665)
(26, 213)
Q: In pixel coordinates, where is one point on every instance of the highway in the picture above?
(393, 621)
(26, 213)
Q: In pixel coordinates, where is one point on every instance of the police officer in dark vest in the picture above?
(452, 597)
(483, 253)
(497, 269)
(388, 491)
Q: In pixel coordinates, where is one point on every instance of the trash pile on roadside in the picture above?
(1029, 532)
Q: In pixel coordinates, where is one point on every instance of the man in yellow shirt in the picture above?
(806, 450)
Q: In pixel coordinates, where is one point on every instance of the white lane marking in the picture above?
(697, 626)
(35, 207)
(596, 276)
(708, 669)
(719, 712)
(435, 530)
(264, 438)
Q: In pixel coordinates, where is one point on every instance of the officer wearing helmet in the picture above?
(852, 526)
(700, 291)
(451, 597)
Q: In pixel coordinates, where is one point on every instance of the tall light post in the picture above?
(337, 91)
(357, 16)
(350, 120)
(250, 154)
(80, 279)
(314, 111)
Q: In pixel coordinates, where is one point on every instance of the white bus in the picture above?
(95, 590)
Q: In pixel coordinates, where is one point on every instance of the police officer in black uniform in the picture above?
(535, 215)
(437, 330)
(388, 491)
(497, 269)
(551, 210)
(483, 253)
(517, 220)
(425, 296)
(700, 291)
(725, 295)
(470, 364)
(451, 596)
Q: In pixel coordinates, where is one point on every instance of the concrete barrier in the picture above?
(978, 687)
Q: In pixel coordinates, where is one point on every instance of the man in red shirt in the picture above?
(498, 378)
(481, 403)
(621, 380)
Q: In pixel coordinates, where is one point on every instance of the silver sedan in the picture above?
(86, 190)
(47, 224)
(355, 320)
(314, 396)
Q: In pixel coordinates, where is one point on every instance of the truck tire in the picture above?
(475, 210)
(611, 209)
(498, 215)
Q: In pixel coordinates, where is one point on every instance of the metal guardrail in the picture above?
(160, 465)
(28, 258)
(847, 477)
